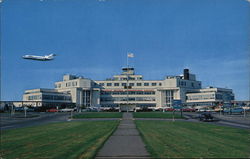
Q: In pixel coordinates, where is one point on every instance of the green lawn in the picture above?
(167, 115)
(188, 140)
(98, 115)
(57, 140)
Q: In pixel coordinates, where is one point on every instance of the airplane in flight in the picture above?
(40, 58)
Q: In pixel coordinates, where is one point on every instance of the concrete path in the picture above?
(125, 143)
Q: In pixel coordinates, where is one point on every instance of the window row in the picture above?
(49, 97)
(110, 99)
(130, 84)
(35, 97)
(68, 84)
(201, 97)
(129, 92)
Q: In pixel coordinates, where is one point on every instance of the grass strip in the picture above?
(165, 115)
(179, 139)
(57, 140)
(98, 115)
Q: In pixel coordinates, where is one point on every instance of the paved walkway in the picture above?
(125, 143)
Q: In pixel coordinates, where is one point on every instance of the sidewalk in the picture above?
(124, 143)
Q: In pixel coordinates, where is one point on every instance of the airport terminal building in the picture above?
(129, 90)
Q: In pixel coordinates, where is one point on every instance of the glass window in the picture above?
(124, 84)
(132, 92)
(109, 84)
(131, 84)
(159, 84)
(101, 84)
(116, 93)
(146, 84)
(139, 92)
(153, 84)
(138, 84)
(116, 84)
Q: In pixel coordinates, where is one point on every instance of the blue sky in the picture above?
(92, 38)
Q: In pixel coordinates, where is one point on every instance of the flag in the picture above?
(130, 55)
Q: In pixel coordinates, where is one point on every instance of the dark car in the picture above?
(19, 109)
(206, 116)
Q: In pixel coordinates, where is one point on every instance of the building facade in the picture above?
(129, 90)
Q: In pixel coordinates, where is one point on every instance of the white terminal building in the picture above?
(128, 91)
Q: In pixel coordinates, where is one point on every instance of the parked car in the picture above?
(235, 110)
(206, 116)
(92, 109)
(19, 109)
(30, 109)
(67, 110)
(188, 110)
(170, 109)
(52, 110)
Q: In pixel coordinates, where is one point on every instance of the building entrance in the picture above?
(127, 107)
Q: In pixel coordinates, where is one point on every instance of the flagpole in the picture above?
(127, 82)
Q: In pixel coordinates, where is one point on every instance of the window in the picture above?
(139, 92)
(138, 84)
(146, 84)
(159, 84)
(153, 84)
(74, 83)
(115, 93)
(132, 92)
(116, 84)
(101, 84)
(124, 84)
(109, 84)
(131, 84)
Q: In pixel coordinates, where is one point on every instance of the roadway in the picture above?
(236, 120)
(12, 122)
(17, 121)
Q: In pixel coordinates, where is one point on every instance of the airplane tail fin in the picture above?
(52, 55)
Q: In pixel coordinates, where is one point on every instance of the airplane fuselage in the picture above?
(39, 58)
